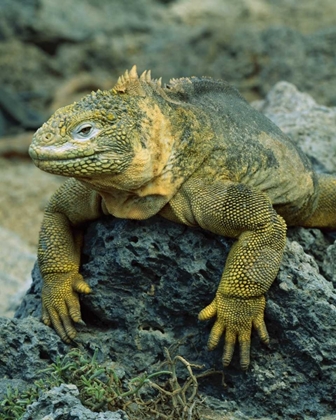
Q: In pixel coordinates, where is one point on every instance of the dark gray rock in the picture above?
(329, 266)
(151, 278)
(301, 313)
(63, 403)
(310, 125)
(3, 123)
(26, 347)
(29, 76)
(143, 274)
(281, 53)
(16, 113)
(47, 23)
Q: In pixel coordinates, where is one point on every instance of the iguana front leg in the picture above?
(59, 255)
(237, 210)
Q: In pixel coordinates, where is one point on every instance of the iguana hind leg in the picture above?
(324, 215)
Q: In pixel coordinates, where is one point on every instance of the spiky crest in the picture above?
(130, 81)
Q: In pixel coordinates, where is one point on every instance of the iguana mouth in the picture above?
(51, 154)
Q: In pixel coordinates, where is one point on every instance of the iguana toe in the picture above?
(215, 335)
(262, 331)
(80, 286)
(230, 341)
(208, 312)
(245, 347)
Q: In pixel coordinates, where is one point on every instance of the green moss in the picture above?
(101, 389)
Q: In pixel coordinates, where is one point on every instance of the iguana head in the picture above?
(121, 133)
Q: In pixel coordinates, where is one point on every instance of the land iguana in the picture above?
(195, 152)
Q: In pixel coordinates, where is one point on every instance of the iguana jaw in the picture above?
(63, 152)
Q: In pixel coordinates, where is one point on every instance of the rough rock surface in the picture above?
(26, 347)
(151, 278)
(63, 402)
(309, 124)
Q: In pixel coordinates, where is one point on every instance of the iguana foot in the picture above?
(60, 303)
(235, 317)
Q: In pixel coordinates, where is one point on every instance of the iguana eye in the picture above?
(85, 131)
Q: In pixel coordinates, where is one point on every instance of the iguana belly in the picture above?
(130, 206)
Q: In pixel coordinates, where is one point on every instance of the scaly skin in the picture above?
(196, 153)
